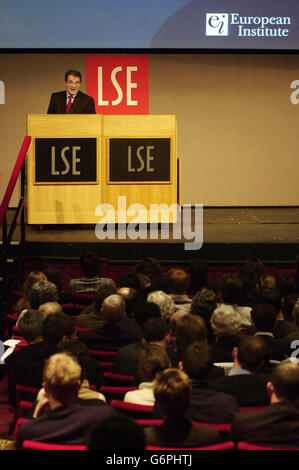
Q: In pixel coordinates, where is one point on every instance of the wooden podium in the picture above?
(83, 166)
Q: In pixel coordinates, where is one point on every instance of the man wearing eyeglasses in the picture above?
(72, 100)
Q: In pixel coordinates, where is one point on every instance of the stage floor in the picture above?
(220, 225)
(229, 235)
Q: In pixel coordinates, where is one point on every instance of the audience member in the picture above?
(152, 359)
(90, 317)
(57, 329)
(145, 311)
(120, 429)
(207, 406)
(154, 331)
(226, 324)
(250, 287)
(165, 303)
(267, 281)
(198, 275)
(91, 374)
(30, 324)
(116, 331)
(278, 424)
(23, 302)
(254, 264)
(285, 322)
(67, 422)
(245, 382)
(130, 280)
(172, 390)
(187, 329)
(231, 291)
(53, 275)
(133, 299)
(203, 304)
(42, 292)
(90, 282)
(50, 307)
(178, 281)
(152, 275)
(270, 297)
(287, 285)
(264, 318)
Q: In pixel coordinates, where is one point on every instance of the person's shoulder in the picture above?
(85, 95)
(58, 93)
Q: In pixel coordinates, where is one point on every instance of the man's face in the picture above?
(72, 84)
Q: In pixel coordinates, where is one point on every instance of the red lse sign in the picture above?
(118, 83)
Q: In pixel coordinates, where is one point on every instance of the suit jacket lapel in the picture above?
(76, 103)
(62, 102)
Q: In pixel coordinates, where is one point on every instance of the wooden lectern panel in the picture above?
(63, 203)
(66, 198)
(142, 192)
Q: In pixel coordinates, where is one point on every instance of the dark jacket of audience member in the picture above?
(206, 406)
(244, 382)
(278, 424)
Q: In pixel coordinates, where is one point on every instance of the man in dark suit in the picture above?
(154, 331)
(246, 381)
(172, 391)
(67, 422)
(278, 424)
(71, 101)
(117, 330)
(208, 406)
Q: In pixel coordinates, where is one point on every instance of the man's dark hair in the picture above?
(249, 281)
(53, 275)
(90, 264)
(188, 329)
(231, 288)
(270, 296)
(197, 360)
(56, 326)
(253, 353)
(286, 285)
(151, 268)
(30, 324)
(154, 329)
(145, 311)
(264, 317)
(130, 280)
(254, 264)
(198, 275)
(285, 380)
(42, 292)
(120, 429)
(75, 73)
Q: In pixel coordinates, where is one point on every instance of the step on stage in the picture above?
(229, 234)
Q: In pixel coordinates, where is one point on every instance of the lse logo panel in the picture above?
(119, 84)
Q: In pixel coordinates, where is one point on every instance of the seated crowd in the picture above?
(192, 352)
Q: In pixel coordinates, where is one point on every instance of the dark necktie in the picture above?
(69, 104)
